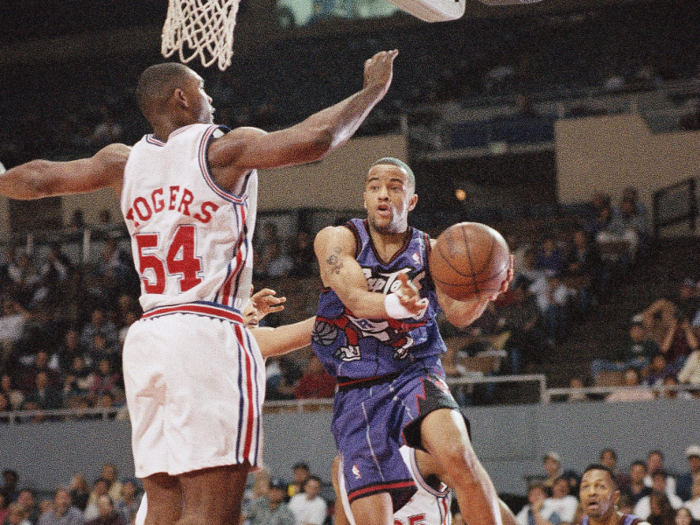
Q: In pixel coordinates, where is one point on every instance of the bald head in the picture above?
(157, 84)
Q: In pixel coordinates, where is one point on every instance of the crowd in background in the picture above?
(648, 489)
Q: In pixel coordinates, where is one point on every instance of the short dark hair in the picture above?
(157, 83)
(609, 451)
(301, 464)
(599, 466)
(640, 463)
(313, 477)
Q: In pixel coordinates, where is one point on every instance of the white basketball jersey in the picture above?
(191, 240)
(428, 506)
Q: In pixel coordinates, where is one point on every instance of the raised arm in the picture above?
(244, 149)
(335, 250)
(43, 178)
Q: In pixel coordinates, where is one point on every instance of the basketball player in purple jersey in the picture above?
(598, 494)
(376, 333)
(194, 375)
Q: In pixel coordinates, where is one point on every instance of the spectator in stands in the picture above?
(637, 489)
(680, 341)
(99, 489)
(694, 503)
(40, 365)
(10, 484)
(690, 373)
(300, 473)
(113, 269)
(12, 324)
(600, 221)
(130, 500)
(79, 491)
(275, 263)
(27, 499)
(107, 515)
(661, 511)
(643, 508)
(655, 463)
(576, 384)
(78, 380)
(316, 383)
(283, 374)
(628, 227)
(57, 265)
(585, 266)
(536, 512)
(106, 381)
(303, 256)
(551, 463)
(271, 510)
(631, 194)
(16, 515)
(554, 300)
(269, 235)
(99, 323)
(4, 507)
(5, 408)
(44, 396)
(659, 369)
(308, 507)
(684, 482)
(7, 387)
(523, 320)
(24, 276)
(550, 258)
(101, 348)
(637, 352)
(562, 502)
(661, 315)
(684, 517)
(608, 458)
(114, 486)
(63, 511)
(634, 391)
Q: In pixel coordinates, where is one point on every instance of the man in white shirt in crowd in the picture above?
(308, 507)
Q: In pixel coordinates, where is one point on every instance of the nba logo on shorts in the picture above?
(356, 472)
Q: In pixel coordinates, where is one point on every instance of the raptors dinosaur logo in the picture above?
(391, 332)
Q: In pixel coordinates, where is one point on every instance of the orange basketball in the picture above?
(469, 260)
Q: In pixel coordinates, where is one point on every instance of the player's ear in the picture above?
(180, 98)
(412, 202)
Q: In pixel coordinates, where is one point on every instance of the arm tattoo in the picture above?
(334, 262)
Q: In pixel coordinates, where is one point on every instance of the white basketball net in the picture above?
(201, 28)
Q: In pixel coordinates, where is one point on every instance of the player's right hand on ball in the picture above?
(379, 69)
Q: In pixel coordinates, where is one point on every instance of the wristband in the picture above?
(395, 310)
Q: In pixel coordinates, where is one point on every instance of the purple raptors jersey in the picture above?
(356, 348)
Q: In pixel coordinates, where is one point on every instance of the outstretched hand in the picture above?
(409, 297)
(261, 303)
(379, 69)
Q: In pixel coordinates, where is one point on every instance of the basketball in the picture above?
(469, 260)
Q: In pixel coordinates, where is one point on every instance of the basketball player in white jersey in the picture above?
(194, 376)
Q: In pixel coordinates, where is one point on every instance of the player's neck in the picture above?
(615, 518)
(387, 243)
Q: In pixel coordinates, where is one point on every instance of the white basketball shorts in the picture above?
(195, 385)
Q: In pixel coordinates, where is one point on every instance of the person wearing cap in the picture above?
(271, 510)
(635, 353)
(684, 482)
(552, 467)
